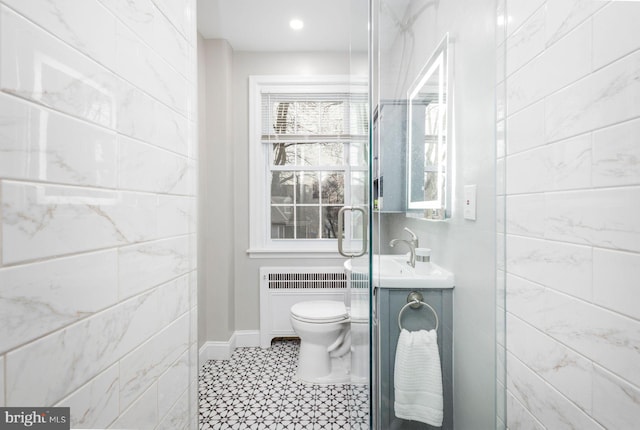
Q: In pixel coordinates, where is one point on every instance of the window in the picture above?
(309, 159)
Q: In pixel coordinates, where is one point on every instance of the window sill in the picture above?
(293, 253)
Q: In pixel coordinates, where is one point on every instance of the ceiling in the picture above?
(263, 25)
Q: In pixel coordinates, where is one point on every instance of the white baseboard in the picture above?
(247, 338)
(215, 351)
(221, 350)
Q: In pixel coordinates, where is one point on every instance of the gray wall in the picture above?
(216, 280)
(231, 278)
(244, 65)
(465, 247)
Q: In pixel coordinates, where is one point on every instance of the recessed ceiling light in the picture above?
(296, 24)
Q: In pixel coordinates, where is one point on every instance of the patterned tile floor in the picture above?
(255, 389)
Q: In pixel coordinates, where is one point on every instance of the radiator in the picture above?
(282, 287)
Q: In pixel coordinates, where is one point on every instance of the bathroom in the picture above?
(125, 266)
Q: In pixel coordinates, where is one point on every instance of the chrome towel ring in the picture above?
(415, 301)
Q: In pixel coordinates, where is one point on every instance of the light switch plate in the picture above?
(470, 202)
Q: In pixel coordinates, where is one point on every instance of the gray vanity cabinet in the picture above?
(387, 305)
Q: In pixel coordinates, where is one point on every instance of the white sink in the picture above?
(393, 271)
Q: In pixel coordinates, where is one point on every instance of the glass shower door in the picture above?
(355, 224)
(357, 221)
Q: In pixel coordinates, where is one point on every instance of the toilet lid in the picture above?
(320, 311)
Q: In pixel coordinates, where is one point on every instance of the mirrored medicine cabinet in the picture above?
(428, 117)
(410, 144)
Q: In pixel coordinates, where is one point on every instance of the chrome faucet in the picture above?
(412, 244)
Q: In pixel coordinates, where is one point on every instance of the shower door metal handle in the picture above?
(363, 251)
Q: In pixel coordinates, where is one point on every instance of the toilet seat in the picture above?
(320, 311)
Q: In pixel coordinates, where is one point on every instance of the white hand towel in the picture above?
(418, 378)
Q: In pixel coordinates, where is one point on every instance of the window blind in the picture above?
(325, 116)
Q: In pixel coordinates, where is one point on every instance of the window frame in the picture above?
(260, 243)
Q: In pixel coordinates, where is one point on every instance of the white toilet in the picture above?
(325, 341)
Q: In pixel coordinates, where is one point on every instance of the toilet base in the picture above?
(337, 373)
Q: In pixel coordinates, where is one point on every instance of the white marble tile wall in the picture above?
(615, 155)
(67, 20)
(42, 145)
(146, 167)
(40, 68)
(150, 72)
(173, 382)
(181, 14)
(142, 414)
(177, 417)
(572, 214)
(519, 417)
(96, 403)
(36, 296)
(146, 364)
(553, 410)
(97, 210)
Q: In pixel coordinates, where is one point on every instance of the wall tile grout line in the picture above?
(568, 347)
(588, 75)
(187, 114)
(107, 10)
(97, 314)
(95, 250)
(576, 298)
(112, 130)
